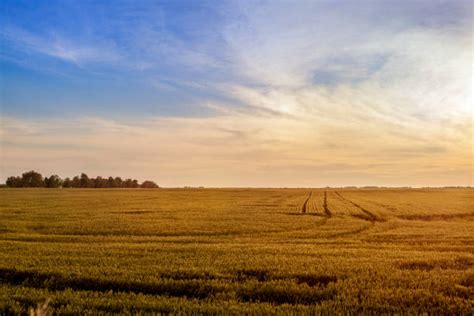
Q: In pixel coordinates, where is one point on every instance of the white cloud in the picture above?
(390, 78)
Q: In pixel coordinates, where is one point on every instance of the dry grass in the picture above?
(238, 251)
(41, 309)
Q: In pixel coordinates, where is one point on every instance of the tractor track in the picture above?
(368, 215)
(305, 204)
(327, 211)
(356, 231)
(305, 207)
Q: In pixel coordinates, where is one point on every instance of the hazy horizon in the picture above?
(239, 93)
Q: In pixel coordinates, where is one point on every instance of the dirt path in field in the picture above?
(305, 204)
(368, 215)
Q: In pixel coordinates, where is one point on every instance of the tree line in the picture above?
(33, 179)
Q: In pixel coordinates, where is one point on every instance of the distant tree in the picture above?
(67, 183)
(91, 183)
(118, 182)
(76, 182)
(149, 185)
(53, 181)
(111, 183)
(127, 183)
(32, 179)
(130, 183)
(85, 181)
(35, 179)
(14, 182)
(100, 182)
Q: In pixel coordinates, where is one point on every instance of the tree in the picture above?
(14, 182)
(127, 183)
(53, 181)
(85, 182)
(149, 185)
(111, 182)
(32, 179)
(91, 183)
(118, 182)
(130, 183)
(67, 183)
(76, 182)
(100, 182)
(135, 183)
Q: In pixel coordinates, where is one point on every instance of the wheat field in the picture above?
(234, 251)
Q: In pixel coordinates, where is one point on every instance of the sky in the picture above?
(239, 93)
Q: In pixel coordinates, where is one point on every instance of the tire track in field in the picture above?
(327, 211)
(369, 215)
(328, 214)
(305, 204)
(353, 232)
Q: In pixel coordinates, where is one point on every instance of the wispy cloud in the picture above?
(56, 46)
(224, 150)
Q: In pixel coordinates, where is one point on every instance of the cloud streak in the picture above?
(56, 46)
(251, 151)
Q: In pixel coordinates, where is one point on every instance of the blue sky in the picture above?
(80, 57)
(254, 93)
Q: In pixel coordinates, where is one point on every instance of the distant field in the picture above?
(237, 250)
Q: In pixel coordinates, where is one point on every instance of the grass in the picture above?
(237, 251)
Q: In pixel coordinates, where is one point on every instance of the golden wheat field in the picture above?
(234, 251)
